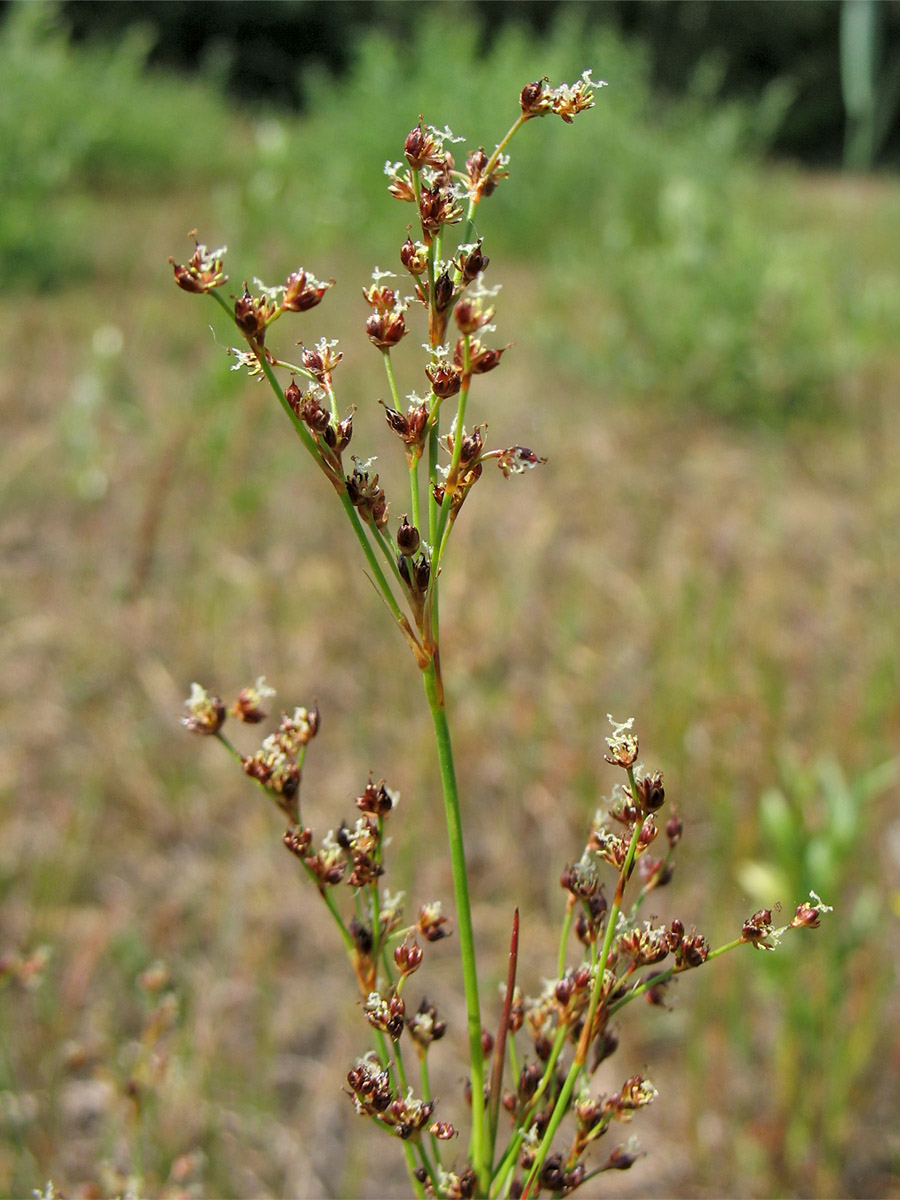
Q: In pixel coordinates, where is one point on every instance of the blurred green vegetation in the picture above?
(665, 244)
(75, 123)
(735, 586)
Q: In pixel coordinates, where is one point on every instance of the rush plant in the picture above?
(536, 1122)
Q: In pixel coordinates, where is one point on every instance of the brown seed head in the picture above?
(425, 1026)
(414, 256)
(321, 360)
(402, 187)
(481, 360)
(252, 314)
(581, 879)
(651, 793)
(362, 936)
(438, 207)
(621, 1159)
(385, 330)
(806, 916)
(248, 706)
(445, 378)
(534, 99)
(432, 923)
(203, 271)
(470, 317)
(674, 830)
(408, 955)
(297, 729)
(298, 841)
(407, 538)
(303, 291)
(443, 1131)
(480, 181)
(383, 299)
(376, 800)
(423, 149)
(411, 427)
(693, 950)
(444, 292)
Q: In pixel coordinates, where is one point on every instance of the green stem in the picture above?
(414, 492)
(392, 382)
(478, 1147)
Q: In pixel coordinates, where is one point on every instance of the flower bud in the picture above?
(534, 100)
(407, 538)
(674, 830)
(251, 315)
(407, 956)
(422, 573)
(422, 148)
(414, 256)
(469, 316)
(203, 271)
(385, 330)
(445, 379)
(443, 292)
(651, 793)
(303, 291)
(376, 800)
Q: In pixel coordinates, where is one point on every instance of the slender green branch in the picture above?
(389, 371)
(491, 164)
(414, 490)
(452, 815)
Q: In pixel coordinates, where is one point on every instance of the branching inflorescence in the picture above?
(608, 956)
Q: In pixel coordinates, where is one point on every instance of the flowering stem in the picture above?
(491, 164)
(477, 1148)
(496, 1083)
(562, 1104)
(409, 1149)
(309, 442)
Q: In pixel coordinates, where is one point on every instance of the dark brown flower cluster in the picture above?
(331, 436)
(366, 496)
(276, 765)
(374, 1096)
(203, 272)
(565, 101)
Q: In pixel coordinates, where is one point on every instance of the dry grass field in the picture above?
(733, 586)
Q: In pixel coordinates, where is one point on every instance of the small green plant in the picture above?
(536, 1120)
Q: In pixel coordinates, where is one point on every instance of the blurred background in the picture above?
(701, 279)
